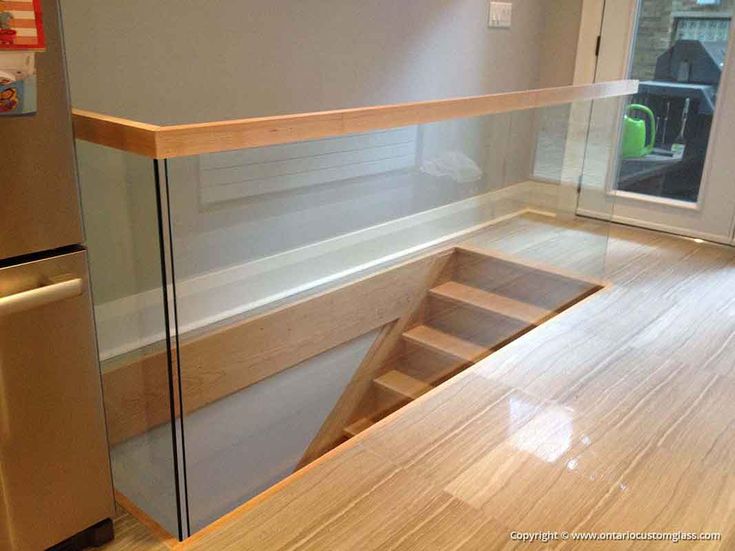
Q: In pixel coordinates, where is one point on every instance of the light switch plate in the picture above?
(501, 14)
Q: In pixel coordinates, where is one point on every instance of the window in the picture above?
(708, 29)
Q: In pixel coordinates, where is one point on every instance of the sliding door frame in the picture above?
(616, 50)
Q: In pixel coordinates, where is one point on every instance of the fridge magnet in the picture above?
(21, 25)
(17, 84)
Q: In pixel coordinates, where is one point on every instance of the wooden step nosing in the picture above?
(350, 430)
(424, 387)
(540, 316)
(535, 321)
(436, 348)
(528, 264)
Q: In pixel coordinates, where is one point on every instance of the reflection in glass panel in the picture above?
(679, 56)
(574, 149)
(118, 192)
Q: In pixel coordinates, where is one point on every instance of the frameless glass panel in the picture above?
(121, 219)
(571, 153)
(288, 261)
(255, 226)
(552, 134)
(679, 57)
(599, 162)
(317, 282)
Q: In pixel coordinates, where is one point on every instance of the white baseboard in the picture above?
(665, 228)
(133, 322)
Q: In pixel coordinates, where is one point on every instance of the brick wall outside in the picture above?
(655, 30)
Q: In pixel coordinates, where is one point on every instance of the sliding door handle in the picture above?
(41, 296)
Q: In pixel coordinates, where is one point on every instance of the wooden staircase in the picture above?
(478, 302)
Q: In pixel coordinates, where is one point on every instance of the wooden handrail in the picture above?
(163, 142)
(124, 134)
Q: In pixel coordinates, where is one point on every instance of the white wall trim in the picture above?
(686, 232)
(633, 197)
(590, 28)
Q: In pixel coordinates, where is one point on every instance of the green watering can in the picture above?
(634, 133)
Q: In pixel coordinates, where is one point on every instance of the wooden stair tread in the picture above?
(443, 342)
(402, 384)
(529, 264)
(484, 300)
(358, 426)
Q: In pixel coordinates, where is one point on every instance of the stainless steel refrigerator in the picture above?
(55, 479)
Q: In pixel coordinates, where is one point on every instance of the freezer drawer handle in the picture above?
(35, 298)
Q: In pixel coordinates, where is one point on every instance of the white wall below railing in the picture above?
(133, 322)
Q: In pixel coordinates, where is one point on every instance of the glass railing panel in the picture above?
(255, 226)
(121, 218)
(312, 279)
(288, 295)
(284, 259)
(601, 163)
(572, 155)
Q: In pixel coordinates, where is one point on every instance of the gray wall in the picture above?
(559, 42)
(183, 60)
(176, 61)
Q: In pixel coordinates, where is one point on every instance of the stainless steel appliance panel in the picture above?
(54, 466)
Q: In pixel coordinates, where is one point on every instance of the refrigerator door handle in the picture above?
(41, 296)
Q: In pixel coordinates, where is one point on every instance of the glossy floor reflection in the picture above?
(617, 415)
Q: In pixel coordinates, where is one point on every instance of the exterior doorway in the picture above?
(673, 163)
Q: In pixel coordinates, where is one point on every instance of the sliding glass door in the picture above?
(674, 162)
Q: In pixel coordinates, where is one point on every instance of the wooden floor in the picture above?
(617, 415)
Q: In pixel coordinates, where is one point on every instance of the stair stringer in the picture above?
(352, 404)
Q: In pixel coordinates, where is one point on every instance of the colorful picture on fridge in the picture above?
(17, 83)
(15, 99)
(21, 26)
